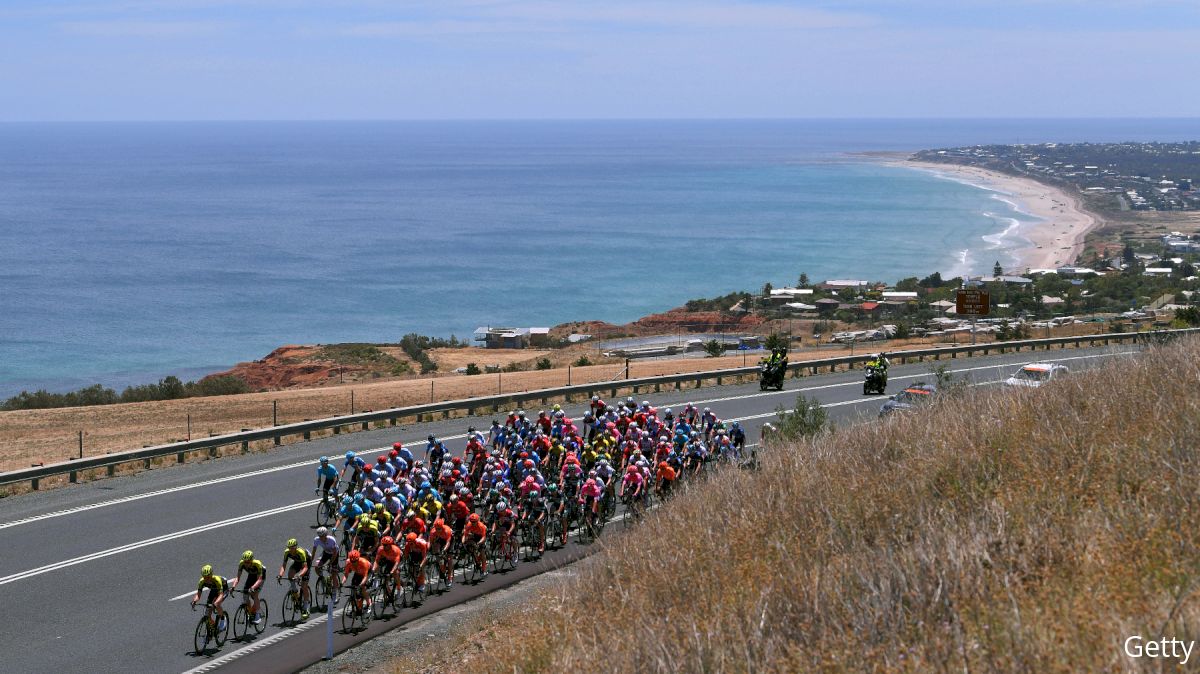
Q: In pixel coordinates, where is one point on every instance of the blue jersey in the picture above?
(351, 513)
(327, 471)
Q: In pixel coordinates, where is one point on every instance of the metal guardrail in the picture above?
(495, 402)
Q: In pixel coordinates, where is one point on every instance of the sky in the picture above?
(536, 59)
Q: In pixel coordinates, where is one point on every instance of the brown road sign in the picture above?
(973, 302)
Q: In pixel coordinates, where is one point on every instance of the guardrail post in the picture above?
(337, 430)
(146, 464)
(179, 458)
(73, 477)
(278, 440)
(657, 388)
(112, 469)
(34, 484)
(307, 435)
(365, 425)
(699, 382)
(678, 385)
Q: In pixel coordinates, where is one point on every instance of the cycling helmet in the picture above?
(528, 479)
(528, 463)
(349, 456)
(474, 518)
(521, 413)
(591, 473)
(347, 500)
(552, 487)
(381, 460)
(501, 506)
(706, 409)
(425, 485)
(206, 570)
(397, 445)
(322, 531)
(247, 556)
(631, 469)
(393, 454)
(645, 403)
(378, 507)
(446, 472)
(412, 536)
(324, 459)
(354, 555)
(291, 542)
(431, 439)
(387, 540)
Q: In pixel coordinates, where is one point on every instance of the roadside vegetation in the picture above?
(169, 388)
(996, 530)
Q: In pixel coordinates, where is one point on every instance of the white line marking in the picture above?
(309, 462)
(152, 541)
(259, 645)
(185, 595)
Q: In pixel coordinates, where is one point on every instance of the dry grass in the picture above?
(998, 531)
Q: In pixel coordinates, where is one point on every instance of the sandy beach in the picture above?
(1058, 238)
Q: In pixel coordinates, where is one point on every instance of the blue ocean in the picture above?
(129, 251)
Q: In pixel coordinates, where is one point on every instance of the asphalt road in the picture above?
(97, 576)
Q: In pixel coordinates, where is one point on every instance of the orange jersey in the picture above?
(389, 552)
(414, 524)
(478, 529)
(416, 548)
(441, 532)
(665, 472)
(358, 566)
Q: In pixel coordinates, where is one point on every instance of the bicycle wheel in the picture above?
(262, 616)
(382, 594)
(510, 552)
(348, 613)
(365, 616)
(319, 593)
(288, 610)
(223, 635)
(241, 622)
(325, 513)
(203, 635)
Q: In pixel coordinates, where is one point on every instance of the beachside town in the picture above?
(1114, 176)
(1136, 289)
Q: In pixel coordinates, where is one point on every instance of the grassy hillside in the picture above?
(1000, 530)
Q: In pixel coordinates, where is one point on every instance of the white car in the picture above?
(1036, 374)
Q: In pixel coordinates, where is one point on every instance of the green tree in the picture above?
(472, 368)
(803, 281)
(776, 341)
(910, 284)
(997, 270)
(582, 361)
(714, 348)
(544, 364)
(934, 280)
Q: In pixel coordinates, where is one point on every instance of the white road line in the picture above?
(258, 645)
(12, 578)
(172, 490)
(309, 462)
(185, 595)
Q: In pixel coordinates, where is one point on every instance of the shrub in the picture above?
(472, 368)
(582, 361)
(806, 419)
(544, 364)
(714, 348)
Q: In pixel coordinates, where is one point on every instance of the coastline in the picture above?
(1058, 236)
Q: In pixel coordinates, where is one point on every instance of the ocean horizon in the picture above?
(131, 251)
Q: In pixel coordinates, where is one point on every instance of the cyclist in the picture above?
(737, 435)
(366, 536)
(416, 549)
(533, 512)
(255, 574)
(328, 547)
(357, 571)
(218, 589)
(383, 517)
(474, 534)
(355, 465)
(631, 486)
(387, 559)
(300, 563)
(435, 451)
(327, 478)
(347, 519)
(440, 537)
(664, 478)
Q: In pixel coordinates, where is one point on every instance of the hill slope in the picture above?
(999, 530)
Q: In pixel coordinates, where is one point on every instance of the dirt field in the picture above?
(32, 436)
